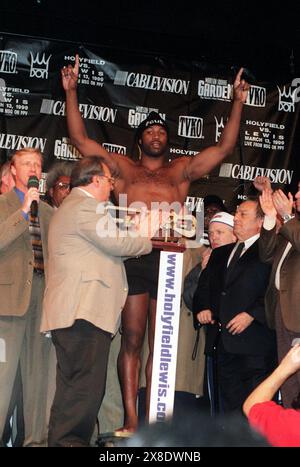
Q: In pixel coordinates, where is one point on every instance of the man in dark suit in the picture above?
(231, 292)
(283, 294)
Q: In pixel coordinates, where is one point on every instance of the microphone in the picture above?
(33, 182)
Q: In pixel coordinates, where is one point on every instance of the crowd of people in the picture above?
(70, 281)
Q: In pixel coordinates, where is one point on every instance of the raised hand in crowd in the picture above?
(262, 183)
(267, 204)
(240, 88)
(70, 75)
(282, 203)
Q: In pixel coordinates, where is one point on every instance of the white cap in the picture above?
(223, 218)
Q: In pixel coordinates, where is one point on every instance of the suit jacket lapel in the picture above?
(14, 203)
(13, 200)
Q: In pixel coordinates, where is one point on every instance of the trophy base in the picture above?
(171, 244)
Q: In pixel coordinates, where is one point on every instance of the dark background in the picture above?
(263, 37)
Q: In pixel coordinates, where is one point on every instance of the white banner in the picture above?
(166, 336)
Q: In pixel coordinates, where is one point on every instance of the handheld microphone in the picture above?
(33, 182)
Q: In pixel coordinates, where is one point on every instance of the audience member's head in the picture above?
(25, 163)
(248, 219)
(7, 181)
(220, 230)
(58, 182)
(212, 204)
(92, 174)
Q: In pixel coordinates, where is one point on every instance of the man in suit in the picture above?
(232, 292)
(85, 294)
(283, 294)
(23, 260)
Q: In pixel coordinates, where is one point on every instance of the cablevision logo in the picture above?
(13, 142)
(151, 82)
(88, 111)
(248, 172)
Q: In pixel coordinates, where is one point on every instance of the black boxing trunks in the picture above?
(142, 274)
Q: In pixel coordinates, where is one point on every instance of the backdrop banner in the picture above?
(116, 92)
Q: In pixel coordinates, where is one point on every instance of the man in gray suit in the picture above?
(23, 260)
(282, 249)
(85, 294)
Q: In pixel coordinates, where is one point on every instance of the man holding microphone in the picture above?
(23, 260)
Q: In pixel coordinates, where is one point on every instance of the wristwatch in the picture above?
(287, 217)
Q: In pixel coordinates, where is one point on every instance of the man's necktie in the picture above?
(36, 243)
(234, 259)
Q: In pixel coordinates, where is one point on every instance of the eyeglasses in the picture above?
(110, 179)
(63, 186)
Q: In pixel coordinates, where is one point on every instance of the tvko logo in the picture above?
(39, 66)
(8, 61)
(257, 96)
(190, 127)
(115, 148)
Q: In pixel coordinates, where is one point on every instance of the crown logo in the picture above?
(39, 65)
(286, 99)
